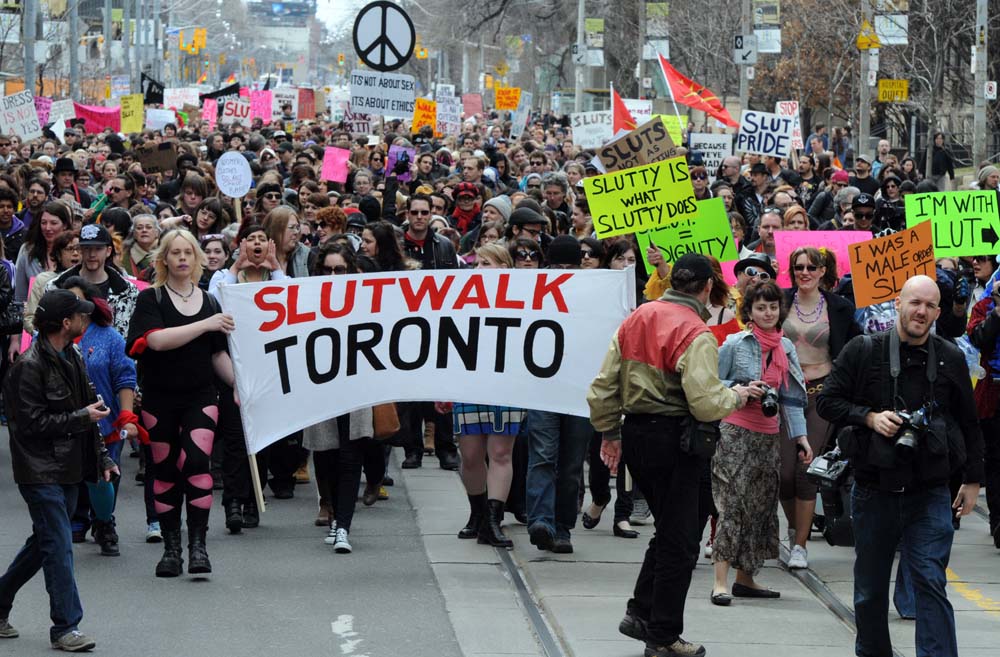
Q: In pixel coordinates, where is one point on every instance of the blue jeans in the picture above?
(921, 521)
(557, 446)
(49, 548)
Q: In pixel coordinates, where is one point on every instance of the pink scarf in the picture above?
(770, 341)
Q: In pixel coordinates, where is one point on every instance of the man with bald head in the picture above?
(902, 466)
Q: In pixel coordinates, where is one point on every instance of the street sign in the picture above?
(745, 49)
(893, 91)
(579, 55)
(384, 37)
(872, 78)
(873, 59)
(867, 39)
(990, 90)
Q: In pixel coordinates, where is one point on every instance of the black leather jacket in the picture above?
(52, 440)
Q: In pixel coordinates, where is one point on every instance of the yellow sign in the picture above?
(893, 91)
(867, 39)
(675, 126)
(488, 81)
(424, 113)
(507, 98)
(132, 119)
(502, 68)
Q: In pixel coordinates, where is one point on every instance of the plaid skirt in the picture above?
(482, 419)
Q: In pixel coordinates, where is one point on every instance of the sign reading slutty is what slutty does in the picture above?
(643, 198)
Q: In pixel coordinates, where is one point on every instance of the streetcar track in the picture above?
(551, 646)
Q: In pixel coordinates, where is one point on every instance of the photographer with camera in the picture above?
(904, 401)
(747, 462)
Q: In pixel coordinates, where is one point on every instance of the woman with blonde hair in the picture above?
(178, 334)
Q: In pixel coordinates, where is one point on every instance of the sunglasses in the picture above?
(114, 190)
(526, 255)
(754, 272)
(866, 215)
(339, 270)
(533, 187)
(586, 254)
(981, 259)
(272, 196)
(809, 268)
(699, 176)
(534, 232)
(420, 213)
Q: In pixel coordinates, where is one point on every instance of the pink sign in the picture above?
(43, 105)
(472, 104)
(97, 118)
(260, 105)
(786, 241)
(210, 112)
(727, 271)
(335, 164)
(307, 104)
(244, 92)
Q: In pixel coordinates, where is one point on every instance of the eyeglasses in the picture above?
(294, 228)
(114, 190)
(73, 249)
(586, 254)
(810, 268)
(210, 237)
(6, 145)
(772, 210)
(526, 255)
(753, 272)
(420, 213)
(699, 176)
(273, 196)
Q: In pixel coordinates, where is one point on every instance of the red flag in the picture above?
(621, 118)
(690, 93)
(231, 79)
(203, 77)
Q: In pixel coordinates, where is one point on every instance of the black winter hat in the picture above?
(564, 250)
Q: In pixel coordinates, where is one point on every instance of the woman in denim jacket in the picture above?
(745, 468)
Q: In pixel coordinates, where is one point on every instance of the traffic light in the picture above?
(340, 59)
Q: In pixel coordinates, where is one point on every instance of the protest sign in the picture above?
(590, 129)
(19, 117)
(449, 115)
(305, 350)
(764, 133)
(881, 266)
(260, 105)
(472, 104)
(790, 109)
(386, 94)
(507, 98)
(156, 119)
(97, 118)
(708, 234)
(283, 96)
(157, 158)
(963, 223)
(210, 111)
(120, 86)
(43, 105)
(519, 121)
(335, 164)
(646, 144)
(713, 148)
(236, 111)
(642, 198)
(62, 109)
(838, 241)
(307, 104)
(424, 113)
(442, 90)
(675, 126)
(393, 156)
(177, 97)
(132, 118)
(357, 123)
(233, 175)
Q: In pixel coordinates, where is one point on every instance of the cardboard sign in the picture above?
(507, 98)
(708, 234)
(193, 113)
(838, 241)
(590, 129)
(260, 105)
(880, 267)
(156, 119)
(43, 105)
(210, 111)
(233, 175)
(449, 115)
(385, 94)
(393, 156)
(424, 113)
(472, 104)
(648, 143)
(62, 109)
(177, 97)
(713, 148)
(19, 117)
(157, 158)
(335, 164)
(765, 134)
(236, 111)
(96, 118)
(643, 198)
(963, 223)
(283, 96)
(519, 121)
(356, 123)
(132, 115)
(790, 108)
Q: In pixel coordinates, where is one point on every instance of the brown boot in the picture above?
(428, 438)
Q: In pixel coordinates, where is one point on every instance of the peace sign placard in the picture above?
(384, 36)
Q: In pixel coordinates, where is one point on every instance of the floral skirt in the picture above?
(745, 476)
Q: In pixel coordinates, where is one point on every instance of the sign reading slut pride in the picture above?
(643, 198)
(708, 234)
(837, 241)
(880, 267)
(963, 223)
(306, 350)
(765, 133)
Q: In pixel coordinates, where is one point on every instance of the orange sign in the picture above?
(879, 267)
(424, 113)
(507, 98)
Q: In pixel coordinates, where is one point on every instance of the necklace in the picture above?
(812, 316)
(184, 298)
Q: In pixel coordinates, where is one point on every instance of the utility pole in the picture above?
(126, 43)
(865, 109)
(107, 37)
(29, 20)
(979, 153)
(157, 47)
(140, 43)
(744, 82)
(581, 53)
(74, 51)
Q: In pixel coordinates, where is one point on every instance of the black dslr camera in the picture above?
(769, 402)
(914, 426)
(832, 475)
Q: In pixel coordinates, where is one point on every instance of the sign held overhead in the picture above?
(384, 36)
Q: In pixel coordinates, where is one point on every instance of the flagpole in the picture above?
(670, 90)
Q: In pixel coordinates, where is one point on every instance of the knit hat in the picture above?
(370, 207)
(564, 250)
(268, 188)
(501, 204)
(985, 173)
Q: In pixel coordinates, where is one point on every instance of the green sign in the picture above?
(964, 223)
(708, 233)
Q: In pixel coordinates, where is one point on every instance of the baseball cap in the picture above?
(57, 305)
(863, 201)
(95, 235)
(698, 265)
(867, 159)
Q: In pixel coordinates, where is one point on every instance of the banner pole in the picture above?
(255, 478)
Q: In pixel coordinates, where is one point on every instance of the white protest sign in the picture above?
(449, 115)
(591, 129)
(519, 120)
(18, 116)
(444, 91)
(764, 133)
(233, 175)
(157, 118)
(790, 108)
(713, 149)
(235, 111)
(357, 123)
(62, 109)
(641, 110)
(306, 350)
(120, 86)
(284, 96)
(177, 97)
(385, 94)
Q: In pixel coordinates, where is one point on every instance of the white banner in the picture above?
(62, 109)
(18, 116)
(764, 133)
(383, 94)
(713, 149)
(177, 97)
(157, 118)
(357, 123)
(309, 349)
(591, 129)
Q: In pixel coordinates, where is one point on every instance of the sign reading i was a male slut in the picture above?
(305, 350)
(641, 198)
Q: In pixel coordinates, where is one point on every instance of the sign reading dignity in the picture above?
(964, 223)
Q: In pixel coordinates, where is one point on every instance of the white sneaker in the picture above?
(74, 641)
(799, 558)
(708, 550)
(640, 512)
(341, 545)
(331, 536)
(153, 533)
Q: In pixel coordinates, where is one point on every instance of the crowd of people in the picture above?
(127, 264)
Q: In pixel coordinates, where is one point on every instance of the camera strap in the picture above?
(895, 367)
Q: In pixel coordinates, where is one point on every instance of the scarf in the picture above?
(464, 220)
(770, 341)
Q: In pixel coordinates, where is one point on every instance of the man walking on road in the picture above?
(662, 373)
(54, 444)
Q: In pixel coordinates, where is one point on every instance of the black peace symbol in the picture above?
(387, 34)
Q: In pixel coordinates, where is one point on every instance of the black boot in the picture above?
(477, 516)
(106, 536)
(234, 516)
(489, 531)
(198, 563)
(251, 516)
(171, 564)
